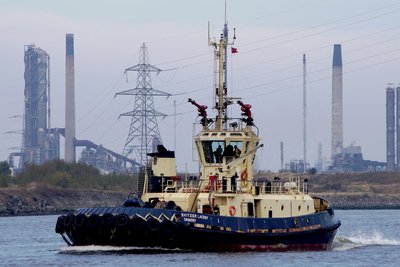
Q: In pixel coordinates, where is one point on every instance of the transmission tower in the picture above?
(144, 134)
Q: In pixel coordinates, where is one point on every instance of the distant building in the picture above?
(297, 166)
(351, 160)
(39, 142)
(390, 128)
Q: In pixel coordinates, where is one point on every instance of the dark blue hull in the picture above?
(172, 229)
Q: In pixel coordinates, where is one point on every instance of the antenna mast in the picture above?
(221, 92)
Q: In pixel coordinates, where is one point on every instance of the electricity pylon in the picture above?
(143, 132)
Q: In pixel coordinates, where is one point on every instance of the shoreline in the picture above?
(54, 201)
(47, 201)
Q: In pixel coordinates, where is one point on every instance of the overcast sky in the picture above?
(267, 71)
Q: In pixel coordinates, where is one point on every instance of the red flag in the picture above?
(234, 50)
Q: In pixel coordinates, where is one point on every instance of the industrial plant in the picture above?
(393, 127)
(41, 141)
(344, 159)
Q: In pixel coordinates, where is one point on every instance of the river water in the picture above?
(366, 238)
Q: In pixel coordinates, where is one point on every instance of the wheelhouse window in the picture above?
(213, 151)
(237, 148)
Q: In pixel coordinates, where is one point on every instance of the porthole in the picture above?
(282, 207)
(308, 207)
(299, 207)
(308, 220)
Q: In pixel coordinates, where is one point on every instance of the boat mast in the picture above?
(221, 91)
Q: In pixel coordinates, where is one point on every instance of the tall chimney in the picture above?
(337, 101)
(282, 167)
(397, 126)
(304, 111)
(390, 128)
(69, 99)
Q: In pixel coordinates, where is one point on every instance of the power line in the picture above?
(317, 33)
(318, 26)
(287, 56)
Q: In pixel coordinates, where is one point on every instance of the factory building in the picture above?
(39, 142)
(297, 166)
(392, 127)
(351, 160)
(346, 159)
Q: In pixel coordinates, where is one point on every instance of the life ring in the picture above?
(243, 174)
(232, 210)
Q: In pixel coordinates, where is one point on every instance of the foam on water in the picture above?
(95, 248)
(361, 239)
(92, 249)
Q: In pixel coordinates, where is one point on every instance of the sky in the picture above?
(267, 72)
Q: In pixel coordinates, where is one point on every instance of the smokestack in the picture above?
(282, 167)
(390, 126)
(304, 111)
(69, 99)
(337, 101)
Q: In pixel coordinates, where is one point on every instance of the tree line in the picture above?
(61, 174)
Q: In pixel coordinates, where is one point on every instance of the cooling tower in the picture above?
(69, 99)
(337, 101)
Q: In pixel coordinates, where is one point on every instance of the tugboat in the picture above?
(225, 208)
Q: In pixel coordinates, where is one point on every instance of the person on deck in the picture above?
(218, 154)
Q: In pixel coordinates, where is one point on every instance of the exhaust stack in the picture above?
(337, 101)
(69, 99)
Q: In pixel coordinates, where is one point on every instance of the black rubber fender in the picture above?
(60, 225)
(167, 226)
(80, 220)
(108, 219)
(94, 220)
(153, 224)
(68, 220)
(122, 220)
(138, 224)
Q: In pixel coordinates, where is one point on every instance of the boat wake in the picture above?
(87, 250)
(361, 239)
